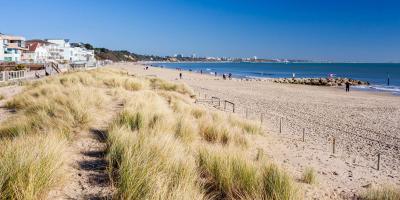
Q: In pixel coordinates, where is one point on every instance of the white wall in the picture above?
(81, 55)
(1, 50)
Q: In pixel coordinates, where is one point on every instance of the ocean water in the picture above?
(375, 73)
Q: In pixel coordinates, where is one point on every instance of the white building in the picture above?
(62, 51)
(79, 54)
(11, 48)
(2, 48)
(59, 50)
(37, 52)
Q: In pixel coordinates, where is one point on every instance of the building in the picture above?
(16, 49)
(2, 48)
(80, 54)
(12, 48)
(37, 51)
(60, 50)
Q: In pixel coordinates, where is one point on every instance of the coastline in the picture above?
(363, 123)
(361, 88)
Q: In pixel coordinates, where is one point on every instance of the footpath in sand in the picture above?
(87, 166)
(362, 123)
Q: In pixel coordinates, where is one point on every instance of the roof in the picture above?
(33, 44)
(57, 39)
(11, 37)
(37, 41)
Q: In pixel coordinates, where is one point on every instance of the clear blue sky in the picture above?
(338, 30)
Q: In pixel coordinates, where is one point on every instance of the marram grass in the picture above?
(382, 193)
(163, 146)
(309, 176)
(160, 146)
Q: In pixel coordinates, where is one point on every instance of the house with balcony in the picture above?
(12, 48)
(59, 50)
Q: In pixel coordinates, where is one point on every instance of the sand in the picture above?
(363, 125)
(6, 93)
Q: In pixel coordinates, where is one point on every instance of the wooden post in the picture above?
(280, 125)
(224, 105)
(247, 113)
(379, 161)
(333, 145)
(261, 117)
(304, 130)
(205, 96)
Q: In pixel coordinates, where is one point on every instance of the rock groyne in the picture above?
(320, 81)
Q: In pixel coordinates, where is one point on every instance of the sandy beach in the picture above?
(360, 124)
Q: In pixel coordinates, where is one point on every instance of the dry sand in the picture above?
(7, 93)
(362, 123)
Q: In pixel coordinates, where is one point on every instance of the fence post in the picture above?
(225, 105)
(247, 113)
(333, 145)
(379, 161)
(303, 133)
(205, 96)
(261, 117)
(280, 125)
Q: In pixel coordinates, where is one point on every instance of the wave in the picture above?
(383, 88)
(260, 73)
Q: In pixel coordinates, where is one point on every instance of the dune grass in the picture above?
(163, 146)
(276, 184)
(227, 175)
(160, 146)
(309, 176)
(30, 166)
(49, 112)
(382, 193)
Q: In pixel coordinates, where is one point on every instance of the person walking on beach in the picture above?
(347, 86)
(215, 73)
(180, 75)
(230, 76)
(201, 71)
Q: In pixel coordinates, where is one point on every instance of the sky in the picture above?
(321, 30)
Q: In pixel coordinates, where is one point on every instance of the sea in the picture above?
(383, 77)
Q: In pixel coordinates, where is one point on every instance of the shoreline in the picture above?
(374, 83)
(270, 79)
